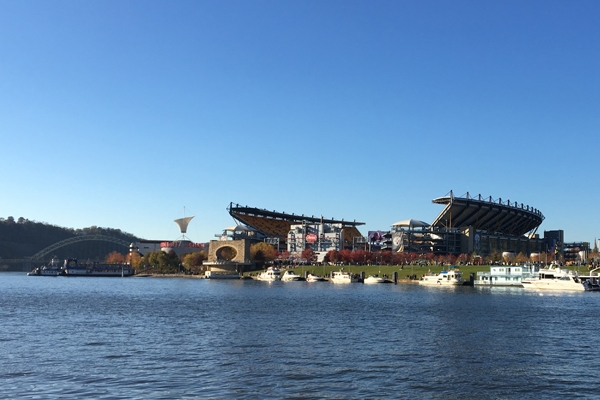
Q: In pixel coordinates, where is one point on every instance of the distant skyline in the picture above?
(121, 113)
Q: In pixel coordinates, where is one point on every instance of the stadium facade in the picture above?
(467, 225)
(474, 225)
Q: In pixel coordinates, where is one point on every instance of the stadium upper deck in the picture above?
(277, 224)
(487, 214)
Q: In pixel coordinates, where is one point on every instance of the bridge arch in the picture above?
(40, 255)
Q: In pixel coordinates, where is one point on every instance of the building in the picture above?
(319, 237)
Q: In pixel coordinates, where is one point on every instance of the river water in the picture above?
(150, 338)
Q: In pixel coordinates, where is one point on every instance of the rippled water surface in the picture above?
(191, 338)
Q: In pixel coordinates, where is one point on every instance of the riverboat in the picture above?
(452, 277)
(343, 277)
(51, 269)
(505, 275)
(221, 275)
(72, 268)
(270, 275)
(289, 276)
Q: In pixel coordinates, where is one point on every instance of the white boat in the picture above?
(555, 278)
(505, 275)
(289, 276)
(373, 279)
(221, 275)
(314, 278)
(452, 277)
(343, 277)
(52, 269)
(270, 275)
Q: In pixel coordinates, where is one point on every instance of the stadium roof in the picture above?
(497, 216)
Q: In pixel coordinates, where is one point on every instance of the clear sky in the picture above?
(121, 113)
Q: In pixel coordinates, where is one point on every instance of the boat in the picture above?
(343, 277)
(590, 283)
(505, 275)
(270, 275)
(221, 275)
(556, 278)
(314, 278)
(289, 276)
(51, 269)
(373, 279)
(451, 277)
(72, 268)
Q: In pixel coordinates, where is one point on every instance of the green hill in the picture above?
(23, 238)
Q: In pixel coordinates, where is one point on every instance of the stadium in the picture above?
(474, 225)
(466, 225)
(274, 227)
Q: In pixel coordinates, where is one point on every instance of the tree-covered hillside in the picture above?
(23, 238)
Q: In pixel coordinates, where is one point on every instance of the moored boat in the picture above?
(343, 277)
(289, 276)
(556, 278)
(270, 275)
(221, 275)
(451, 277)
(314, 278)
(51, 269)
(505, 275)
(72, 268)
(373, 279)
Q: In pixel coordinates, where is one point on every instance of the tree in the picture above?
(162, 263)
(193, 261)
(115, 258)
(463, 258)
(345, 256)
(134, 259)
(360, 257)
(521, 258)
(283, 257)
(262, 253)
(332, 256)
(308, 254)
(450, 259)
(386, 257)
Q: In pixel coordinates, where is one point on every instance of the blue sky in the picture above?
(121, 113)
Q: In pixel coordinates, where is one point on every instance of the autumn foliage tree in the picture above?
(134, 259)
(262, 253)
(193, 261)
(115, 258)
(308, 254)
